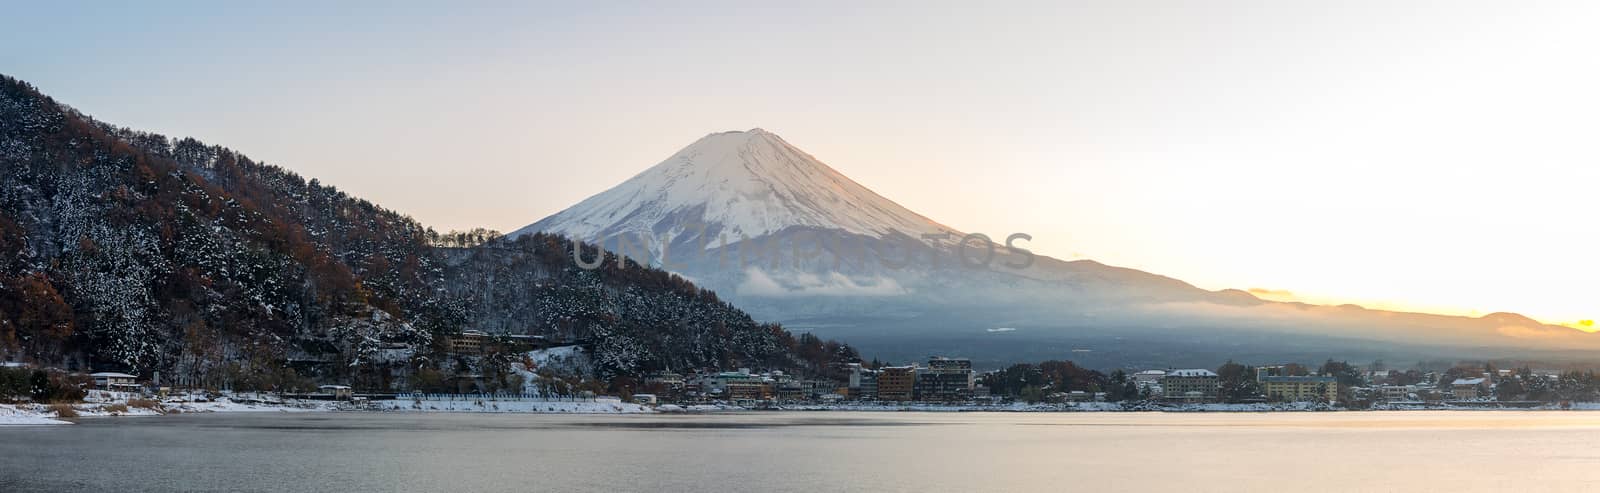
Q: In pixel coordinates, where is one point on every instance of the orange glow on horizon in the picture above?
(1287, 296)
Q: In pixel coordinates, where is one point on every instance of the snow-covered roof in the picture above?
(111, 374)
(334, 387)
(1195, 372)
(1292, 379)
(1467, 381)
(1152, 372)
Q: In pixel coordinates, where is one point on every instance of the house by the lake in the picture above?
(110, 380)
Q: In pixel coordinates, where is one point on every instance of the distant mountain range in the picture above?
(790, 239)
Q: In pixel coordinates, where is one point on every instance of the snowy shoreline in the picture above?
(117, 406)
(46, 414)
(596, 406)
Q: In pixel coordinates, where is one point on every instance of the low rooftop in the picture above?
(1297, 379)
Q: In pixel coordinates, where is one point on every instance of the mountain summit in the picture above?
(739, 184)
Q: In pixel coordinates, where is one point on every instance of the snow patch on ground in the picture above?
(27, 414)
(100, 411)
(597, 406)
(698, 408)
(99, 403)
(225, 405)
(565, 360)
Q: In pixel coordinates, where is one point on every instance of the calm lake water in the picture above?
(817, 451)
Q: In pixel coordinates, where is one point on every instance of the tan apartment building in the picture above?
(1300, 389)
(1194, 385)
(897, 383)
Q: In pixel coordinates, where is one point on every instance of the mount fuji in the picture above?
(790, 239)
(746, 184)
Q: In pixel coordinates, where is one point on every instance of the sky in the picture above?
(1426, 156)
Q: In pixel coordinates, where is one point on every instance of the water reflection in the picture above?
(889, 451)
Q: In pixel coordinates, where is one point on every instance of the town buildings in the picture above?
(1149, 381)
(787, 388)
(1078, 396)
(666, 379)
(897, 383)
(863, 384)
(945, 380)
(1192, 386)
(1466, 389)
(467, 342)
(718, 383)
(1299, 388)
(741, 385)
(753, 390)
(1271, 371)
(1395, 393)
(474, 343)
(338, 392)
(109, 380)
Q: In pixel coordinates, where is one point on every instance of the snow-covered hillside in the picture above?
(743, 184)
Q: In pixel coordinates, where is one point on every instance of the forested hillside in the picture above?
(125, 249)
(641, 319)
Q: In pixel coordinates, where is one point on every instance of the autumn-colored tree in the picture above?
(33, 309)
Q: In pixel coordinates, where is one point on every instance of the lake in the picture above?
(1460, 451)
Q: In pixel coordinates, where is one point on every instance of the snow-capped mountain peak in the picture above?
(746, 183)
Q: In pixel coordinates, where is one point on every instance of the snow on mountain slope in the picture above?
(741, 184)
(754, 186)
